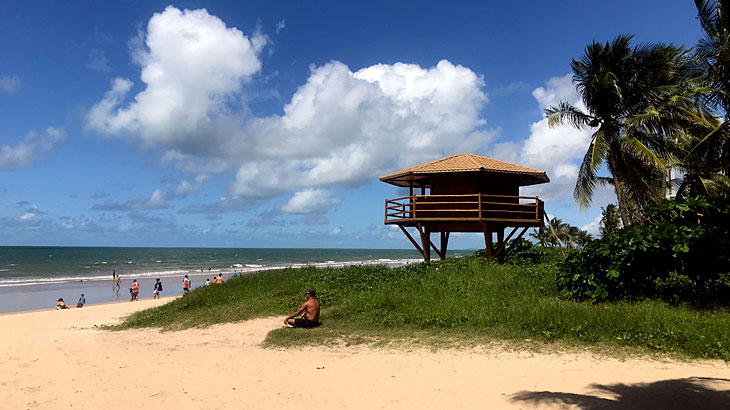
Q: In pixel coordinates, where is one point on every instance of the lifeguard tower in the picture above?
(468, 193)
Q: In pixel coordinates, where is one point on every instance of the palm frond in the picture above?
(567, 113)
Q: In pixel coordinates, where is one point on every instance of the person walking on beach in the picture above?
(186, 284)
(134, 290)
(309, 311)
(81, 302)
(157, 290)
(119, 280)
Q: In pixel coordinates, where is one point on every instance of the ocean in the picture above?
(35, 277)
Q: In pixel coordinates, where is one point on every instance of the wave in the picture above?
(245, 268)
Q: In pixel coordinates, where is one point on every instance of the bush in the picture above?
(679, 252)
(521, 252)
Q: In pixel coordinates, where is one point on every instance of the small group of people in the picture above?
(216, 280)
(62, 305)
(134, 290)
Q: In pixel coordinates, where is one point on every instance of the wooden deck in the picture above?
(466, 211)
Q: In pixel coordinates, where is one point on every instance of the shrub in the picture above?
(680, 251)
(521, 252)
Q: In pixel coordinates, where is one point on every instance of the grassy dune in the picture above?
(457, 301)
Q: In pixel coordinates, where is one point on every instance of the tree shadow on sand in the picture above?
(677, 394)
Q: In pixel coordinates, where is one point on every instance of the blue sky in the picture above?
(266, 124)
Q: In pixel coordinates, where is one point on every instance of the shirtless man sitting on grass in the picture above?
(310, 308)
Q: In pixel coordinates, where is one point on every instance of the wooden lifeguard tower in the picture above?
(468, 193)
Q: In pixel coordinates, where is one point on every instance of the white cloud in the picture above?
(340, 128)
(192, 64)
(592, 226)
(9, 84)
(280, 26)
(345, 127)
(155, 201)
(184, 187)
(558, 150)
(28, 216)
(30, 148)
(310, 201)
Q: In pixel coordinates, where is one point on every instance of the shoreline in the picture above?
(37, 296)
(88, 305)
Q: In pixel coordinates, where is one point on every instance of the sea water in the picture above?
(35, 277)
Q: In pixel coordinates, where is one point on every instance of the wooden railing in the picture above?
(464, 208)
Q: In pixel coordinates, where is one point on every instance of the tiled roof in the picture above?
(466, 163)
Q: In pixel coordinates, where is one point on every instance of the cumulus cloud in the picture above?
(184, 188)
(310, 201)
(342, 127)
(154, 201)
(192, 65)
(30, 148)
(345, 127)
(9, 84)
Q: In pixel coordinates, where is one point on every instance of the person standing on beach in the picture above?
(134, 291)
(309, 311)
(220, 278)
(157, 290)
(186, 284)
(119, 280)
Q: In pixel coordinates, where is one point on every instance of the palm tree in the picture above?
(617, 82)
(708, 157)
(582, 238)
(542, 235)
(610, 221)
(713, 49)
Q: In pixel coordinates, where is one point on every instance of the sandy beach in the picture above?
(60, 360)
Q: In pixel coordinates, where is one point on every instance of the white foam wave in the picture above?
(247, 268)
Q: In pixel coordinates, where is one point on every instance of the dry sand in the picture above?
(58, 360)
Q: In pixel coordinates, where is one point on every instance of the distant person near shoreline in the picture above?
(186, 284)
(157, 290)
(134, 291)
(309, 311)
(62, 305)
(81, 302)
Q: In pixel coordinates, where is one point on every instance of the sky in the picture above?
(267, 124)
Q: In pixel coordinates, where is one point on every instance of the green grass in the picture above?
(465, 301)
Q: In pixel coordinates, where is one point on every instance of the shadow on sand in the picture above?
(677, 394)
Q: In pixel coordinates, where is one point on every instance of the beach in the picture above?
(61, 359)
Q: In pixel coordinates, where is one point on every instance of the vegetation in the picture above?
(467, 300)
(560, 234)
(680, 251)
(617, 82)
(610, 220)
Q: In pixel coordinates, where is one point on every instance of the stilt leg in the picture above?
(500, 245)
(444, 244)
